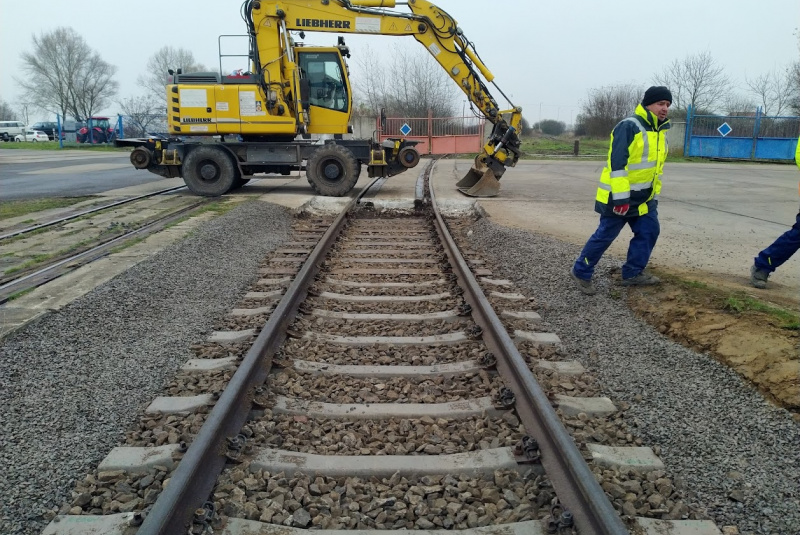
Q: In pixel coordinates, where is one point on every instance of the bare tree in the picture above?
(155, 79)
(140, 114)
(606, 106)
(695, 81)
(409, 86)
(64, 75)
(774, 91)
(6, 111)
(92, 91)
(525, 127)
(794, 77)
(793, 73)
(736, 104)
(370, 93)
(24, 112)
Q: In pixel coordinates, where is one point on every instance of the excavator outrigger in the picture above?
(295, 90)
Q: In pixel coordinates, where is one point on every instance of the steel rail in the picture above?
(194, 478)
(87, 212)
(572, 479)
(48, 273)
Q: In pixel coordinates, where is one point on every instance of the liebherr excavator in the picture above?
(264, 119)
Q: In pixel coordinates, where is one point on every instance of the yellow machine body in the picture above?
(292, 91)
(233, 107)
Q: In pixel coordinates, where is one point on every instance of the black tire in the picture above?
(408, 157)
(332, 170)
(209, 171)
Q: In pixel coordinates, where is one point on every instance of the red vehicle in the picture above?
(102, 131)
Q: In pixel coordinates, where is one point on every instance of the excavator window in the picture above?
(327, 87)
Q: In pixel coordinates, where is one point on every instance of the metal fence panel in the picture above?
(69, 133)
(742, 137)
(438, 135)
(719, 147)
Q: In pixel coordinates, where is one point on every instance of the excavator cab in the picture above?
(325, 89)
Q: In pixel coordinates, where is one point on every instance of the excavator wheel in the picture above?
(141, 157)
(408, 157)
(332, 170)
(209, 171)
(480, 181)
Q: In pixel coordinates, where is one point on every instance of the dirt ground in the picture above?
(757, 345)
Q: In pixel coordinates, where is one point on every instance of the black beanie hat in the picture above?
(656, 93)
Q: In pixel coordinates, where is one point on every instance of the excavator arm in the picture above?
(270, 22)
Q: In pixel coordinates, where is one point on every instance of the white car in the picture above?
(32, 135)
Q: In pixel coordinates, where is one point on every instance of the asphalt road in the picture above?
(30, 174)
(715, 217)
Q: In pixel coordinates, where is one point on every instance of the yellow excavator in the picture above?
(264, 119)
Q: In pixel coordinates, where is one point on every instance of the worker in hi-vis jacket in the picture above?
(628, 192)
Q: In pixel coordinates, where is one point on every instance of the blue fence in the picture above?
(741, 137)
(95, 130)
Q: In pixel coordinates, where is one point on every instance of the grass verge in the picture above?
(542, 146)
(736, 303)
(740, 304)
(53, 145)
(9, 209)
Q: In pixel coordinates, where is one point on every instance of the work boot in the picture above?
(642, 279)
(758, 277)
(584, 285)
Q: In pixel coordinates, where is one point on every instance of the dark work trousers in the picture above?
(781, 249)
(645, 233)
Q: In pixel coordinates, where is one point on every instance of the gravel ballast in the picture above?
(734, 452)
(72, 381)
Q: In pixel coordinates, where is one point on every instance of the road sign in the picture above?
(724, 129)
(405, 129)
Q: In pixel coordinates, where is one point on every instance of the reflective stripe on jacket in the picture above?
(636, 156)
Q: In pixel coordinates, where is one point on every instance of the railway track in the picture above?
(378, 378)
(33, 228)
(46, 251)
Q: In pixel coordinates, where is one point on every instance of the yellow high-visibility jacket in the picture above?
(797, 161)
(797, 154)
(636, 156)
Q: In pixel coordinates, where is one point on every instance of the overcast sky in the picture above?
(545, 54)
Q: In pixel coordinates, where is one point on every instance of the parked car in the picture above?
(9, 129)
(51, 129)
(32, 135)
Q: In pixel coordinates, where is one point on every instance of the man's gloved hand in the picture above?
(622, 209)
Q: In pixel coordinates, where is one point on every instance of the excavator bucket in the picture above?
(479, 182)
